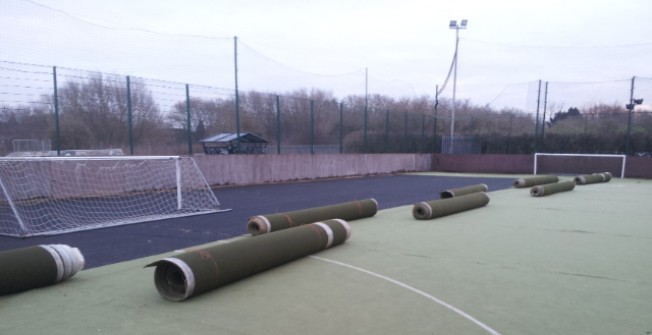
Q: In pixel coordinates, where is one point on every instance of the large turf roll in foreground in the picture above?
(31, 267)
(535, 180)
(585, 179)
(197, 271)
(437, 208)
(548, 189)
(456, 192)
(348, 211)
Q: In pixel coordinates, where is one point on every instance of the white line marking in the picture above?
(417, 291)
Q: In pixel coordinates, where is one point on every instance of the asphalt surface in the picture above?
(121, 243)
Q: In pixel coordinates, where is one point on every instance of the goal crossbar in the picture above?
(622, 164)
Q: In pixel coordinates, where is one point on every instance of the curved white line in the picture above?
(417, 291)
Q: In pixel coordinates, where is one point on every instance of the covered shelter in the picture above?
(230, 143)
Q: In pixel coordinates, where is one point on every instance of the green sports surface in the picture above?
(574, 263)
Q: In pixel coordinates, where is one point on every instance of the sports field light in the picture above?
(453, 25)
(630, 107)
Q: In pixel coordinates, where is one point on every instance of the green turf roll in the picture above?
(36, 266)
(607, 176)
(437, 208)
(456, 192)
(585, 179)
(203, 269)
(535, 180)
(348, 211)
(548, 189)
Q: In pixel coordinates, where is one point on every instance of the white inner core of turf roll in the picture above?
(175, 273)
(329, 233)
(347, 226)
(68, 260)
(417, 291)
(424, 210)
(260, 224)
(57, 260)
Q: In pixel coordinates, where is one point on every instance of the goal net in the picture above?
(53, 195)
(573, 164)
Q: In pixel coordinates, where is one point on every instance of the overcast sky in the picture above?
(406, 45)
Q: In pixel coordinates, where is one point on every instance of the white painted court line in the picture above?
(417, 291)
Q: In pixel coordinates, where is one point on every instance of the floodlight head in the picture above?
(453, 24)
(464, 22)
(638, 101)
(629, 106)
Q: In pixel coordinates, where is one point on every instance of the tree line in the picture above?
(97, 113)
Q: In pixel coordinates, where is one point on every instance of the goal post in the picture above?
(558, 163)
(53, 195)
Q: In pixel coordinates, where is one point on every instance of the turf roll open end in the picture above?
(37, 266)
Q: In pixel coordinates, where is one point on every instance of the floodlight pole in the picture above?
(453, 25)
(630, 108)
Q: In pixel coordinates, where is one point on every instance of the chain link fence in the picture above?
(85, 110)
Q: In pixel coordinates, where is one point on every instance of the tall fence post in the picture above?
(421, 147)
(129, 118)
(237, 95)
(630, 108)
(536, 122)
(405, 132)
(57, 130)
(188, 123)
(543, 121)
(387, 130)
(341, 127)
(278, 125)
(312, 127)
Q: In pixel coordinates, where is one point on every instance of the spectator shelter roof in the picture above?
(230, 142)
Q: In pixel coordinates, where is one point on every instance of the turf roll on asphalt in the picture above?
(437, 208)
(196, 271)
(456, 192)
(548, 189)
(585, 179)
(535, 180)
(348, 211)
(36, 266)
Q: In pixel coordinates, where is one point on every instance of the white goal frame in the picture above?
(186, 188)
(622, 168)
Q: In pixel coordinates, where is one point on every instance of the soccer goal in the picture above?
(573, 164)
(53, 195)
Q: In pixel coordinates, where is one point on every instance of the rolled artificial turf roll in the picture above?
(348, 211)
(36, 266)
(548, 189)
(197, 271)
(585, 179)
(437, 208)
(607, 176)
(456, 192)
(535, 180)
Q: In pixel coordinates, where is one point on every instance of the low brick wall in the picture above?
(516, 164)
(258, 169)
(635, 167)
(638, 167)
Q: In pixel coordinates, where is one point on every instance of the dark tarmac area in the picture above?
(121, 243)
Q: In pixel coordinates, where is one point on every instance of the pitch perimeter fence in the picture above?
(85, 110)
